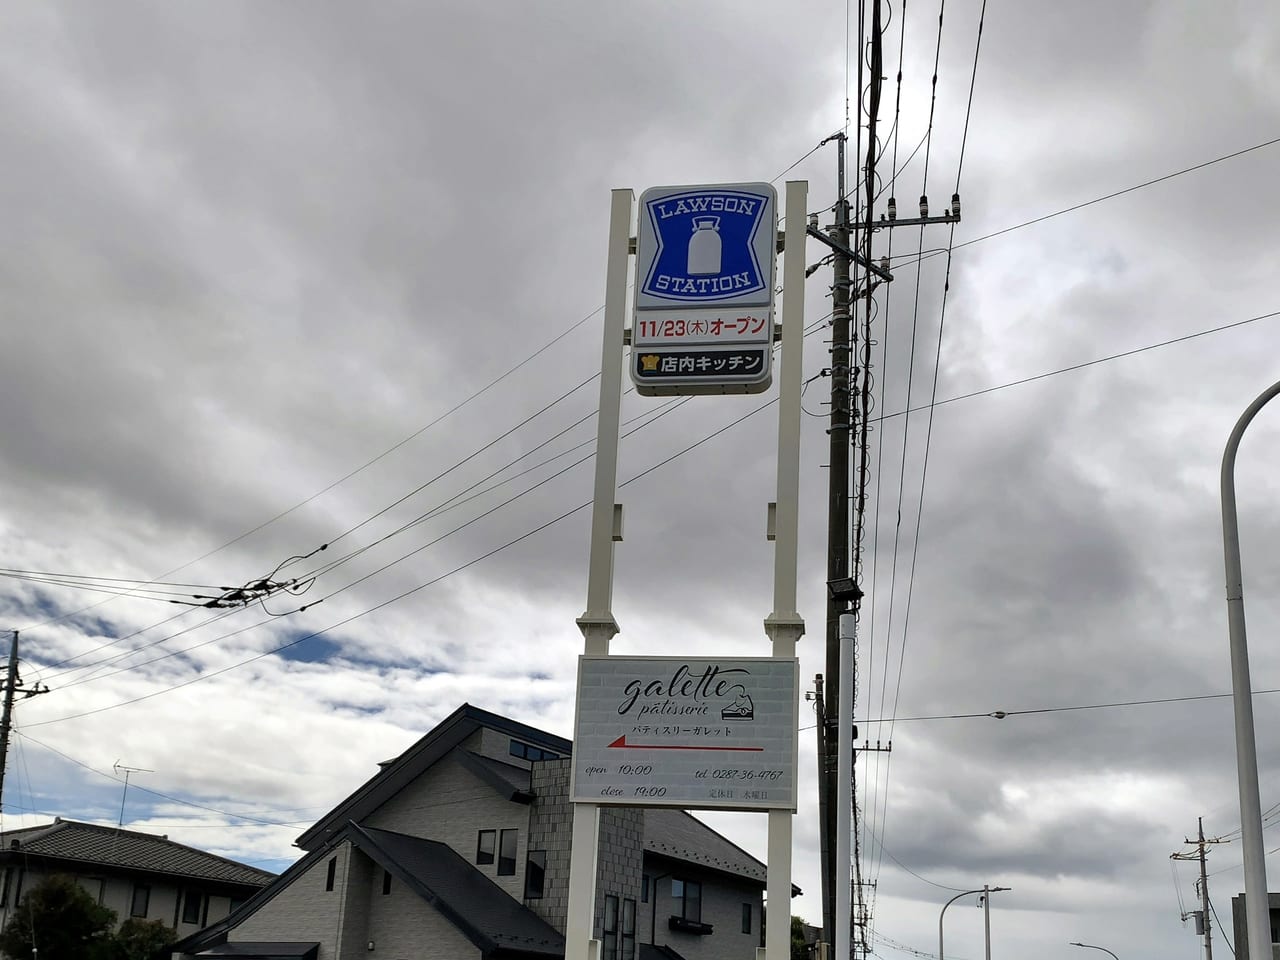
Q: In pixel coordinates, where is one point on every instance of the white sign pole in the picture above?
(844, 789)
(597, 623)
(784, 625)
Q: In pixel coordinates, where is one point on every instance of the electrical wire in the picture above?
(155, 793)
(1222, 929)
(937, 365)
(1081, 366)
(1119, 193)
(883, 790)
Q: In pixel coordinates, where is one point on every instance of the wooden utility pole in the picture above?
(1203, 924)
(12, 685)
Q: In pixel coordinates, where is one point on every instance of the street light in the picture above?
(1092, 947)
(1256, 899)
(986, 903)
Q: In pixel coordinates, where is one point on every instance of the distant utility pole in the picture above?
(12, 685)
(1202, 915)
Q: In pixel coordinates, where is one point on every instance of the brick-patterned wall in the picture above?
(621, 852)
(550, 829)
(621, 860)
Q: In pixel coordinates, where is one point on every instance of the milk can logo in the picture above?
(706, 244)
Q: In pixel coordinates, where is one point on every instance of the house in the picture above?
(135, 874)
(459, 848)
(1240, 935)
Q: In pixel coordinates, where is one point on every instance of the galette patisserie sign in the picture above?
(687, 732)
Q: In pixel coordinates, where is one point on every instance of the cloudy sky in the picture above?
(282, 275)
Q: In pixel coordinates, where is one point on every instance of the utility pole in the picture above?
(1203, 924)
(848, 423)
(12, 685)
(1204, 894)
(837, 541)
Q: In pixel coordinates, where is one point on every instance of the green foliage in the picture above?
(799, 949)
(142, 939)
(67, 923)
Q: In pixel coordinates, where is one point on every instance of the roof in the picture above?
(89, 843)
(508, 779)
(395, 775)
(681, 836)
(490, 917)
(486, 914)
(264, 950)
(648, 951)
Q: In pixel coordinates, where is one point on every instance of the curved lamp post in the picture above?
(1256, 900)
(986, 892)
(1092, 947)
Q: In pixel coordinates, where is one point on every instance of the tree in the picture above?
(142, 939)
(799, 946)
(62, 920)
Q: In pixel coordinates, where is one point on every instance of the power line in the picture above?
(756, 410)
(1002, 714)
(157, 793)
(1120, 193)
(1079, 366)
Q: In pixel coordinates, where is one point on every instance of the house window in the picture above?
(628, 930)
(526, 752)
(535, 874)
(746, 918)
(141, 900)
(331, 875)
(507, 853)
(191, 907)
(485, 846)
(610, 928)
(386, 882)
(690, 897)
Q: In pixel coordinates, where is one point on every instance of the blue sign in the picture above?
(706, 245)
(705, 261)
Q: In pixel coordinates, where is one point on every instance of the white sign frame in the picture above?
(696, 733)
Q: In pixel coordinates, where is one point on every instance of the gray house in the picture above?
(1240, 935)
(135, 874)
(459, 848)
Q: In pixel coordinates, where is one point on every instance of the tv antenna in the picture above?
(118, 767)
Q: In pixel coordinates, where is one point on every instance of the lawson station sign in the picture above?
(705, 263)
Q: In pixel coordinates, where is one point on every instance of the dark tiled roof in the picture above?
(487, 914)
(264, 951)
(680, 836)
(397, 774)
(647, 951)
(131, 850)
(510, 781)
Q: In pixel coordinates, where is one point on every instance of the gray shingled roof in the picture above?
(647, 951)
(477, 905)
(394, 775)
(680, 836)
(266, 950)
(128, 849)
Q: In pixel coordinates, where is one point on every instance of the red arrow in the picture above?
(622, 742)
